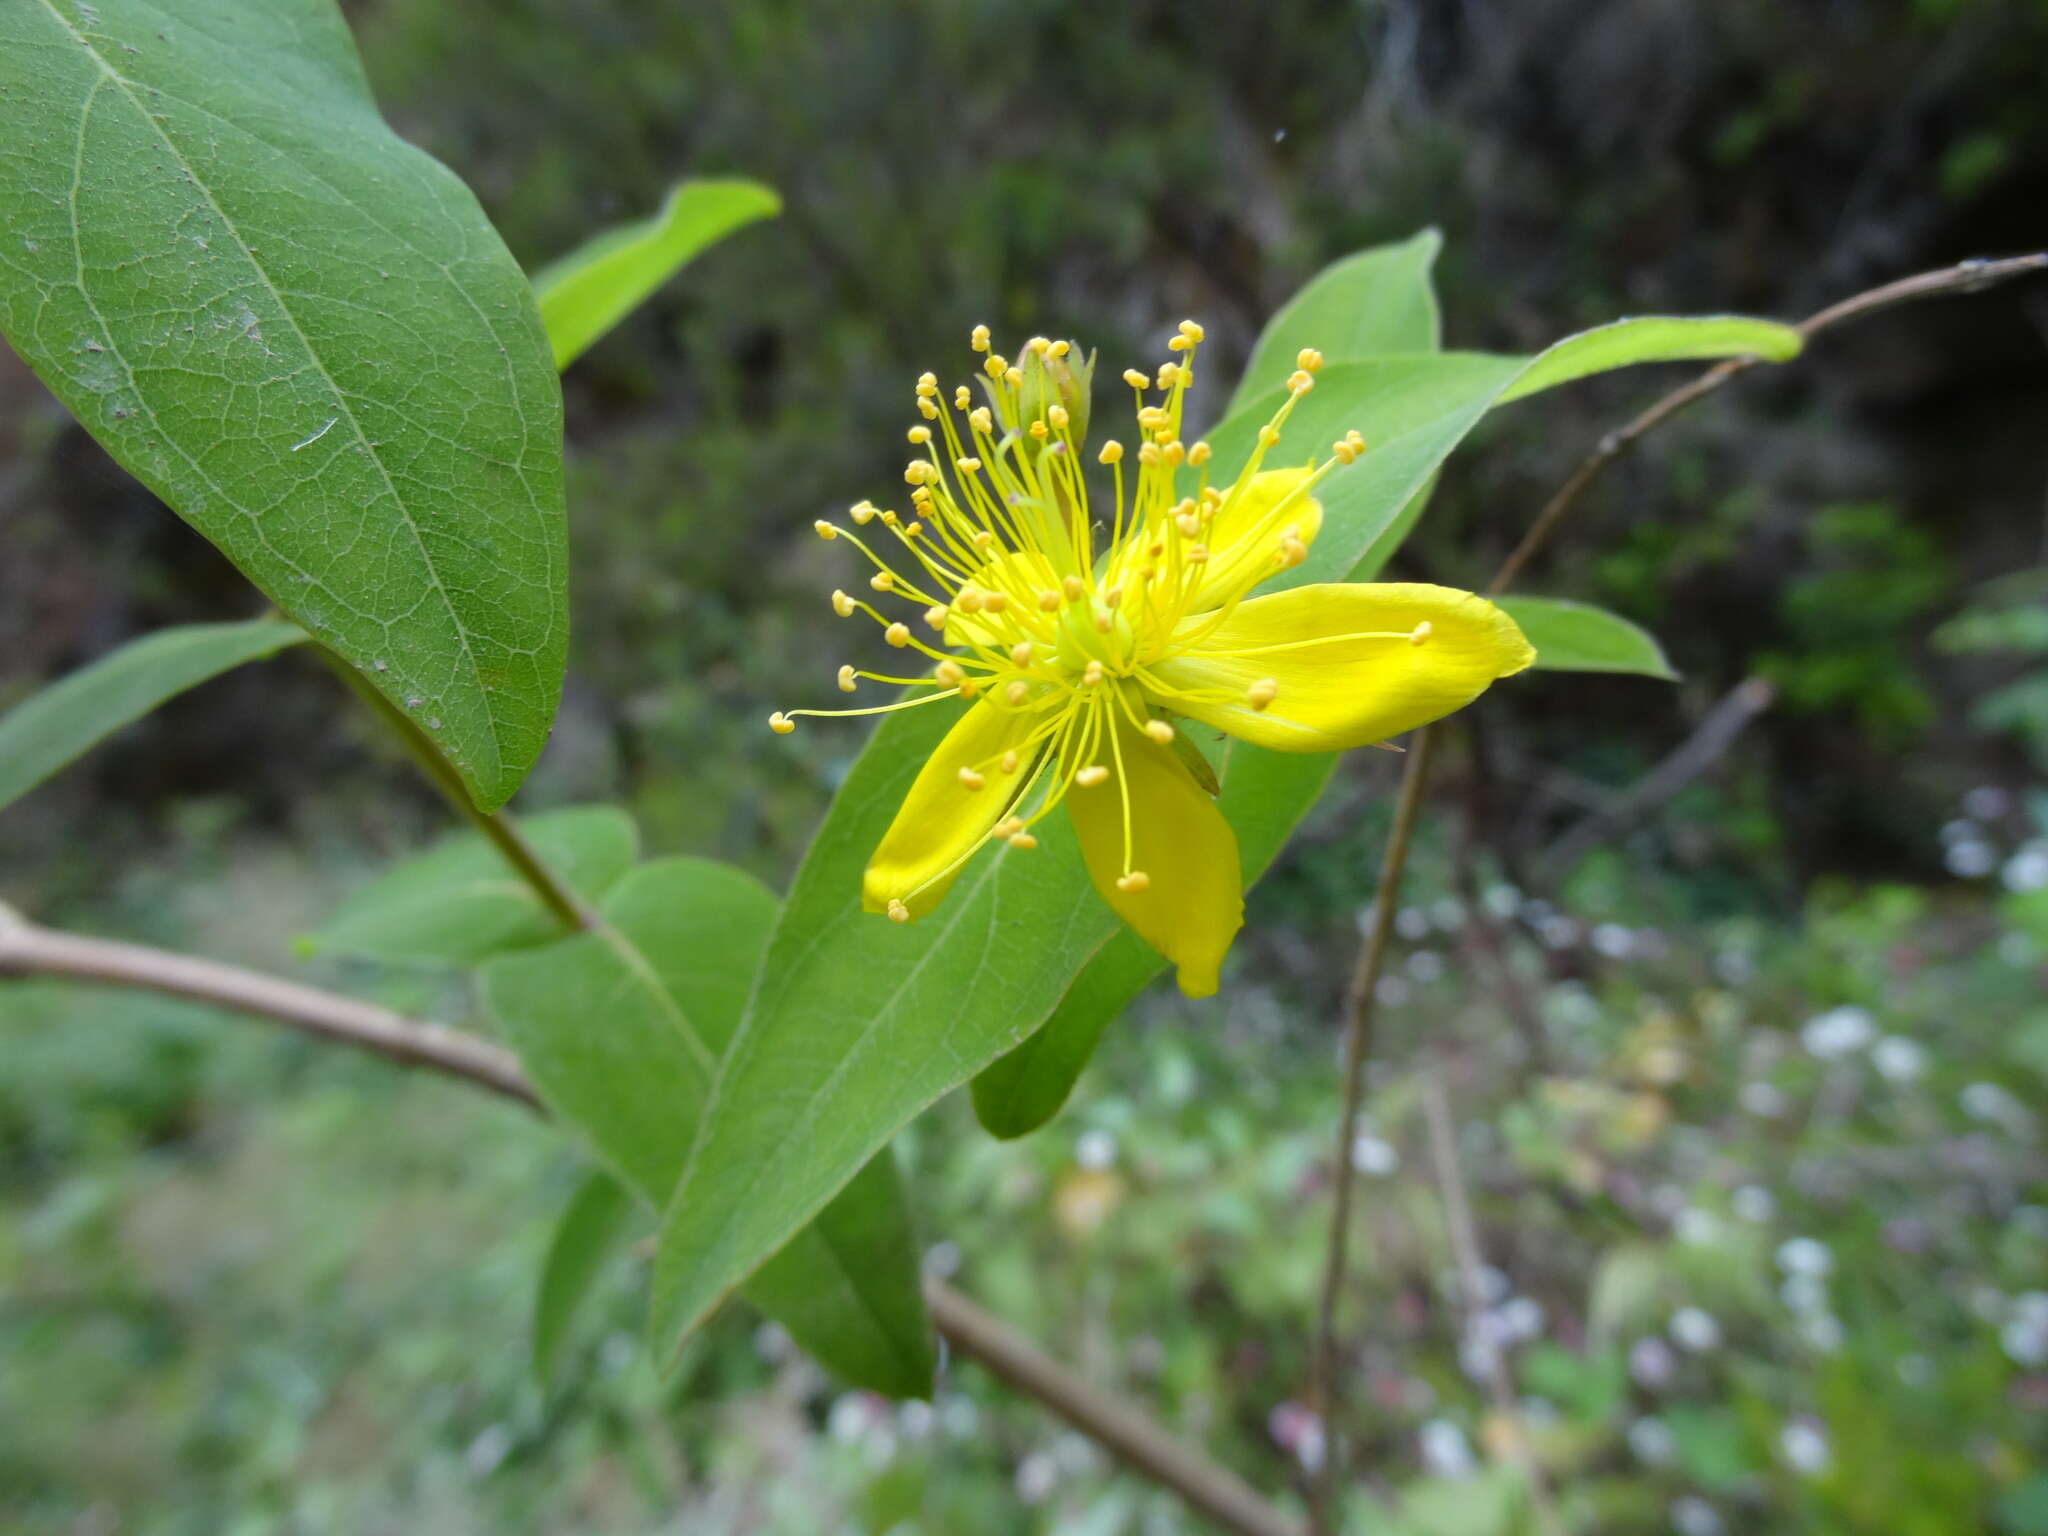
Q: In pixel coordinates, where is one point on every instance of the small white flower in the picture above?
(1392, 991)
(1036, 1477)
(488, 1450)
(916, 1419)
(1898, 1059)
(1559, 932)
(1961, 830)
(1735, 967)
(1652, 1442)
(772, 1343)
(1992, 1103)
(2025, 1341)
(1447, 913)
(1501, 901)
(1445, 1450)
(1613, 940)
(1970, 860)
(1521, 1318)
(1412, 923)
(1823, 1331)
(849, 1417)
(1651, 1363)
(1494, 1283)
(1987, 802)
(1764, 1100)
(1373, 1156)
(2026, 870)
(1806, 1295)
(1095, 1150)
(1426, 966)
(1752, 1202)
(1804, 1445)
(1805, 1256)
(1692, 1515)
(1697, 1227)
(1694, 1328)
(1838, 1032)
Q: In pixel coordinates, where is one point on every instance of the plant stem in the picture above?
(1963, 278)
(1358, 1017)
(567, 907)
(28, 950)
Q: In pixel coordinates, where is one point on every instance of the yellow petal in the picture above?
(941, 820)
(1246, 535)
(1347, 668)
(1193, 903)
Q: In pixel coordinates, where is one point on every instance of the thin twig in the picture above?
(29, 950)
(1965, 277)
(1119, 1428)
(1464, 1234)
(1358, 1016)
(569, 909)
(1708, 743)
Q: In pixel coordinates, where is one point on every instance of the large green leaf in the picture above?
(303, 335)
(1374, 302)
(859, 1024)
(592, 1229)
(1577, 637)
(621, 1031)
(459, 903)
(48, 729)
(594, 287)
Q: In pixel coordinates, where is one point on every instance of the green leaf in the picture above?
(594, 287)
(621, 1031)
(459, 903)
(1372, 302)
(859, 1024)
(592, 1230)
(1656, 339)
(1577, 637)
(303, 335)
(76, 713)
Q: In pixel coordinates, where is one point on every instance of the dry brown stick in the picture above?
(29, 950)
(1464, 1235)
(1122, 1430)
(1965, 277)
(1710, 740)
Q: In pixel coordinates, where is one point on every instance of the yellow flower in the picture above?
(1077, 666)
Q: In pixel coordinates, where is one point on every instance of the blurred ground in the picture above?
(246, 1286)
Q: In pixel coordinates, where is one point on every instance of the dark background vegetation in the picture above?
(1096, 171)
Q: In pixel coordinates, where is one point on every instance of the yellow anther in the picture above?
(1268, 435)
(1188, 524)
(1016, 694)
(1023, 842)
(1419, 634)
(1059, 349)
(861, 511)
(1011, 763)
(927, 383)
(842, 604)
(912, 530)
(936, 615)
(982, 421)
(918, 471)
(1197, 554)
(898, 913)
(967, 600)
(1014, 377)
(1039, 431)
(949, 673)
(1159, 731)
(1020, 654)
(969, 688)
(846, 682)
(883, 581)
(1198, 454)
(1057, 415)
(1091, 675)
(1169, 375)
(983, 538)
(962, 396)
(968, 465)
(919, 435)
(1163, 437)
(780, 723)
(1192, 330)
(1355, 438)
(1300, 382)
(1112, 453)
(1308, 359)
(995, 602)
(1038, 344)
(1179, 344)
(1291, 551)
(927, 410)
(1344, 451)
(1153, 417)
(1114, 597)
(996, 366)
(1137, 880)
(969, 779)
(889, 517)
(1074, 587)
(1262, 693)
(1048, 602)
(825, 529)
(897, 634)
(1136, 379)
(1148, 453)
(920, 498)
(978, 338)
(1172, 454)
(1091, 776)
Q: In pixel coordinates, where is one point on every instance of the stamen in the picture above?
(842, 604)
(780, 723)
(971, 780)
(846, 682)
(1134, 882)
(897, 635)
(1091, 776)
(1158, 730)
(898, 913)
(1420, 633)
(1262, 693)
(1023, 842)
(825, 529)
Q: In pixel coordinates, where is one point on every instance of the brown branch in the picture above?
(1119, 1428)
(1965, 277)
(29, 950)
(1464, 1234)
(1692, 757)
(1359, 1003)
